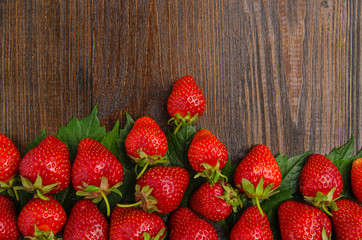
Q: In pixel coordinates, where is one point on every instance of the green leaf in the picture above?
(76, 130)
(36, 141)
(229, 169)
(290, 169)
(178, 146)
(111, 138)
(344, 152)
(343, 158)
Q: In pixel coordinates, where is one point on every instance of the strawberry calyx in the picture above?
(42, 235)
(98, 193)
(160, 235)
(258, 193)
(146, 201)
(325, 236)
(324, 202)
(37, 187)
(231, 196)
(212, 174)
(11, 187)
(144, 161)
(179, 121)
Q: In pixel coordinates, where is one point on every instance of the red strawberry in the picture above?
(302, 221)
(320, 182)
(161, 189)
(207, 154)
(347, 220)
(96, 171)
(186, 102)
(356, 178)
(258, 174)
(86, 222)
(215, 202)
(146, 144)
(46, 167)
(251, 226)
(8, 228)
(184, 224)
(48, 216)
(134, 224)
(9, 159)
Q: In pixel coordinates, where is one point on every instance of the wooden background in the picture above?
(284, 73)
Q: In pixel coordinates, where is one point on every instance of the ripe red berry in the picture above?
(8, 226)
(356, 178)
(47, 216)
(9, 159)
(258, 174)
(347, 220)
(252, 226)
(48, 161)
(215, 202)
(98, 167)
(186, 102)
(185, 224)
(302, 221)
(146, 144)
(207, 155)
(320, 182)
(133, 224)
(161, 189)
(86, 222)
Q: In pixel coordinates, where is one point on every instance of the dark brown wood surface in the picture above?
(283, 73)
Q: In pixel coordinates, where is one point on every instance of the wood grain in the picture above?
(284, 73)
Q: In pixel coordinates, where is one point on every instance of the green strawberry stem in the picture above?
(107, 203)
(130, 205)
(258, 193)
(37, 187)
(212, 174)
(142, 171)
(144, 161)
(147, 236)
(324, 202)
(258, 205)
(41, 235)
(146, 202)
(98, 193)
(179, 121)
(11, 187)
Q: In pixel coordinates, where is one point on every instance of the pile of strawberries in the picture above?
(156, 211)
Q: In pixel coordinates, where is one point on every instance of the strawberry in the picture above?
(186, 102)
(356, 178)
(46, 168)
(347, 220)
(41, 218)
(96, 171)
(320, 182)
(146, 144)
(302, 221)
(258, 174)
(9, 164)
(86, 222)
(8, 228)
(215, 202)
(9, 159)
(207, 155)
(185, 224)
(161, 189)
(135, 224)
(252, 226)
